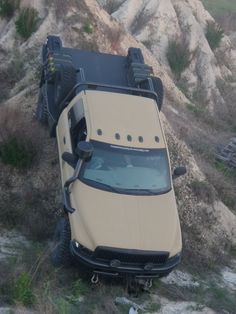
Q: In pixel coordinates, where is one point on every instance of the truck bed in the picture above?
(68, 71)
(101, 68)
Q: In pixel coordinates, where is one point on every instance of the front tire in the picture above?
(60, 250)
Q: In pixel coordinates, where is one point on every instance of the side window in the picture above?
(82, 130)
(78, 128)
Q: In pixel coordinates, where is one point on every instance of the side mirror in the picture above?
(179, 171)
(70, 159)
(84, 150)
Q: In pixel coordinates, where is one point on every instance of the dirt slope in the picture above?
(156, 22)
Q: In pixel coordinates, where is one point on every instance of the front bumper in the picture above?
(114, 267)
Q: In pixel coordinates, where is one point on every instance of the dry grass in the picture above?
(114, 35)
(29, 208)
(18, 146)
(227, 113)
(203, 191)
(225, 186)
(11, 74)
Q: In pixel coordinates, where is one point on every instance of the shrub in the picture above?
(204, 191)
(88, 28)
(17, 153)
(8, 7)
(22, 291)
(214, 34)
(178, 56)
(27, 22)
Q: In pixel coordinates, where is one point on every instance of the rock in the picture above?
(11, 243)
(229, 278)
(181, 279)
(169, 307)
(133, 311)
(124, 300)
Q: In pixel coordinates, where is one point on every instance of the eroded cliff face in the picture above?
(156, 22)
(205, 226)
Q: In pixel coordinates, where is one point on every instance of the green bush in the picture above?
(22, 291)
(8, 7)
(88, 28)
(178, 56)
(214, 34)
(225, 169)
(17, 153)
(27, 22)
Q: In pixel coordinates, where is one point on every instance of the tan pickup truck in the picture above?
(120, 209)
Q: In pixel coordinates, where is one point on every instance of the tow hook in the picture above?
(94, 279)
(148, 284)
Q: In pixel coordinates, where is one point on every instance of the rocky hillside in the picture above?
(155, 23)
(199, 114)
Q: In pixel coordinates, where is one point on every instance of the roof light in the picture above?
(157, 139)
(99, 132)
(129, 138)
(117, 136)
(140, 138)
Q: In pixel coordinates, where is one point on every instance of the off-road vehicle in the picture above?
(120, 209)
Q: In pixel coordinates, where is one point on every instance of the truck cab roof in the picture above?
(122, 119)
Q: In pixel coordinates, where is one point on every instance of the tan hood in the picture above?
(124, 221)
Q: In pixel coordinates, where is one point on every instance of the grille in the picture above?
(85, 252)
(130, 256)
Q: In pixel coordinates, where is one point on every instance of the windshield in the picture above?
(127, 170)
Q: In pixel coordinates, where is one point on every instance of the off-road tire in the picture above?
(42, 111)
(60, 248)
(135, 55)
(64, 83)
(159, 90)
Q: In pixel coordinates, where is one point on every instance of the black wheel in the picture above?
(159, 90)
(42, 111)
(135, 55)
(54, 43)
(64, 83)
(60, 248)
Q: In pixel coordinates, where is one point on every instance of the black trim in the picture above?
(129, 256)
(88, 258)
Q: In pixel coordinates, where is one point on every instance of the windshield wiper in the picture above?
(106, 186)
(146, 191)
(142, 191)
